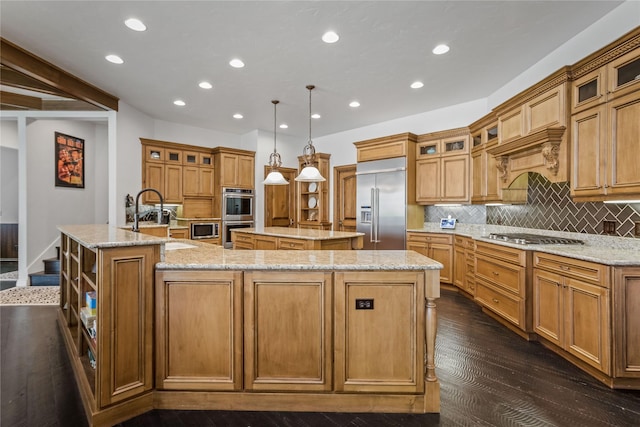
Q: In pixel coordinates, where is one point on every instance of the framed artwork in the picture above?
(69, 160)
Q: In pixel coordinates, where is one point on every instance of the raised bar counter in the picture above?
(187, 325)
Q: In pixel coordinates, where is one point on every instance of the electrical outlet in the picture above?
(636, 231)
(608, 227)
(364, 304)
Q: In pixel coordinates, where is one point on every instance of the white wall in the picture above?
(8, 171)
(49, 206)
(610, 27)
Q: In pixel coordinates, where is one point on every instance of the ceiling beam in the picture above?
(25, 62)
(12, 78)
(16, 100)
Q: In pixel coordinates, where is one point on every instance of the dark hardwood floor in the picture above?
(488, 377)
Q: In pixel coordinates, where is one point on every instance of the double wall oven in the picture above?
(237, 211)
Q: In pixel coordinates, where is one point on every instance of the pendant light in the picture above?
(275, 177)
(309, 173)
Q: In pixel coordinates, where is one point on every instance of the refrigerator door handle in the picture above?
(376, 214)
(372, 203)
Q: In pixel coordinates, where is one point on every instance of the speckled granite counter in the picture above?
(106, 236)
(208, 257)
(608, 250)
(300, 233)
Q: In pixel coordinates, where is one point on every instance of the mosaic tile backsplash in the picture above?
(549, 207)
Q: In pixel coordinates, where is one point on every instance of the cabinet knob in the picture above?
(495, 273)
(565, 268)
(496, 300)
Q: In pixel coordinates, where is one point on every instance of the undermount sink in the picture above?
(170, 246)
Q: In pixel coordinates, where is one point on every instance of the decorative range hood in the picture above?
(546, 141)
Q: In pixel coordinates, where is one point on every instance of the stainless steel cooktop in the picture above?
(533, 239)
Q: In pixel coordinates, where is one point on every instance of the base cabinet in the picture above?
(626, 327)
(112, 358)
(365, 302)
(199, 331)
(436, 246)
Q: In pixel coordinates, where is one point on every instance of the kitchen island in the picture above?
(335, 331)
(295, 238)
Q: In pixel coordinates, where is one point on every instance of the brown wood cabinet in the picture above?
(199, 331)
(572, 308)
(437, 246)
(464, 264)
(234, 168)
(486, 184)
(626, 327)
(442, 167)
(361, 332)
(112, 359)
(198, 173)
(313, 197)
(605, 125)
(270, 240)
(503, 285)
(162, 170)
(179, 233)
(292, 349)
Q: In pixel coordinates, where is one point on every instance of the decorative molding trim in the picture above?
(604, 56)
(534, 140)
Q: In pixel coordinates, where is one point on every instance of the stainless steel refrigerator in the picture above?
(382, 203)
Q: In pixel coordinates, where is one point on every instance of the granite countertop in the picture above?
(202, 256)
(608, 250)
(107, 236)
(198, 219)
(300, 233)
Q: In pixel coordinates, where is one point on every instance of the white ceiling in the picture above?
(384, 46)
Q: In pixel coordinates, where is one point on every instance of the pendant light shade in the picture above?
(309, 173)
(274, 177)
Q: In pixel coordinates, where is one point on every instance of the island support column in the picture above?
(432, 291)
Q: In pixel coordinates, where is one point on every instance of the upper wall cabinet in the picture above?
(234, 168)
(161, 170)
(442, 167)
(532, 133)
(605, 123)
(485, 176)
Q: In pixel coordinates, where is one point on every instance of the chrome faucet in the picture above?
(136, 215)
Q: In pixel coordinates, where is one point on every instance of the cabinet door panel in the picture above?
(588, 324)
(455, 178)
(199, 332)
(287, 318)
(428, 180)
(624, 125)
(154, 178)
(190, 180)
(626, 326)
(389, 328)
(444, 255)
(205, 181)
(588, 133)
(548, 311)
(173, 184)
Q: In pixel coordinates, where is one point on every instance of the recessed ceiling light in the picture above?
(354, 104)
(114, 58)
(237, 116)
(205, 85)
(416, 85)
(135, 24)
(179, 103)
(330, 37)
(236, 63)
(284, 126)
(440, 49)
(315, 116)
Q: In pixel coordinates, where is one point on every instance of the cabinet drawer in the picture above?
(583, 270)
(508, 276)
(295, 244)
(445, 239)
(242, 237)
(507, 306)
(505, 253)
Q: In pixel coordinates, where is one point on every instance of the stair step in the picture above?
(51, 265)
(44, 279)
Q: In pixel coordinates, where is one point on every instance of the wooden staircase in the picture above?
(51, 274)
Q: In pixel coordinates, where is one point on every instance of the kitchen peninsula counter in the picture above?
(607, 250)
(295, 238)
(247, 330)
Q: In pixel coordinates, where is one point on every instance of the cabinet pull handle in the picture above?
(495, 300)
(495, 273)
(565, 268)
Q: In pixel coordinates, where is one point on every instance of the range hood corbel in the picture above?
(545, 142)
